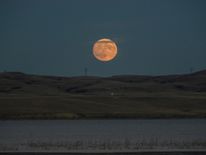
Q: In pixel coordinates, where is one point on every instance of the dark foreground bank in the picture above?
(125, 153)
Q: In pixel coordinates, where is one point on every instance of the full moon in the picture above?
(105, 50)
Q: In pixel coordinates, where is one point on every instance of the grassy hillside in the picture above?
(24, 96)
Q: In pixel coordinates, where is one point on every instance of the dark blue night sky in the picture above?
(55, 37)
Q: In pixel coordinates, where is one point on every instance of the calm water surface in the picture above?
(68, 131)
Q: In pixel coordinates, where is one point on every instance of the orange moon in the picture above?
(105, 50)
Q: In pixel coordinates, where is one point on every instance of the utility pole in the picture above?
(191, 70)
(85, 71)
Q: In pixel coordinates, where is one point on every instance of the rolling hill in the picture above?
(24, 96)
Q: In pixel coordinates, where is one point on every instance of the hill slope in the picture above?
(24, 96)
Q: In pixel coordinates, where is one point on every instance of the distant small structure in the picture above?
(191, 70)
(85, 71)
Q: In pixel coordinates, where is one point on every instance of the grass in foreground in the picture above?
(145, 105)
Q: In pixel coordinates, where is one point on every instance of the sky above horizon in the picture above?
(55, 37)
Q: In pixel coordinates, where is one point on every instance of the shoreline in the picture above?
(100, 118)
(197, 152)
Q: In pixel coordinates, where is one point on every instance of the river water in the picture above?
(94, 135)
